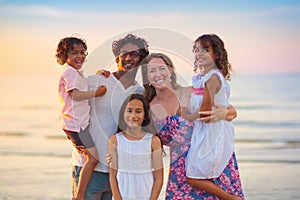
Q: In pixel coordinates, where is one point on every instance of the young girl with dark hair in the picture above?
(136, 169)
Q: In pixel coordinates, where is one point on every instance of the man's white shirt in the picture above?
(104, 115)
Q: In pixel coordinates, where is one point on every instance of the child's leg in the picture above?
(86, 171)
(212, 188)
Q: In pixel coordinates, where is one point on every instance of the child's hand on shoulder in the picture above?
(103, 72)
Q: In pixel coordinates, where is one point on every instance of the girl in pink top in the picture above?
(73, 93)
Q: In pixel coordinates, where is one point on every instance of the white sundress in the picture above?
(212, 144)
(135, 177)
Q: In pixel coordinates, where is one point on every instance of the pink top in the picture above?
(74, 114)
(198, 91)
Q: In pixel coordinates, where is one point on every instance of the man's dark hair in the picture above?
(130, 38)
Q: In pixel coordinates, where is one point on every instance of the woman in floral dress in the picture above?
(166, 98)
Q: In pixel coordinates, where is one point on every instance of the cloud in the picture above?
(279, 10)
(104, 17)
(54, 12)
(49, 12)
(35, 10)
(270, 12)
(147, 15)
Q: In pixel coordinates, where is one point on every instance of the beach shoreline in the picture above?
(49, 177)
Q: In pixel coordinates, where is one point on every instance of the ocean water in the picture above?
(35, 156)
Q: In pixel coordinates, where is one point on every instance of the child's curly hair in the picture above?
(65, 45)
(219, 50)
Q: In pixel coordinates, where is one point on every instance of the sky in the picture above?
(260, 37)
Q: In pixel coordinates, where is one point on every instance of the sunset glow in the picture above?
(260, 37)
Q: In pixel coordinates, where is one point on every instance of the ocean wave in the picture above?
(30, 154)
(285, 141)
(267, 124)
(56, 137)
(268, 106)
(54, 155)
(268, 161)
(254, 107)
(37, 107)
(28, 107)
(12, 133)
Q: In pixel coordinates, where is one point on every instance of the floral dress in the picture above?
(176, 133)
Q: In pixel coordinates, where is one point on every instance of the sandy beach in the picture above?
(38, 177)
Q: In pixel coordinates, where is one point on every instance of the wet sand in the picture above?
(38, 177)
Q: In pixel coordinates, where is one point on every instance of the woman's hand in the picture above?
(215, 115)
(108, 159)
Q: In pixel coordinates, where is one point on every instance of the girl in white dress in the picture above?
(212, 145)
(136, 169)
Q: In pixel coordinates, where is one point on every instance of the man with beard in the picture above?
(129, 52)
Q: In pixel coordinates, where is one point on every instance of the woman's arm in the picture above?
(188, 116)
(185, 104)
(113, 167)
(157, 165)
